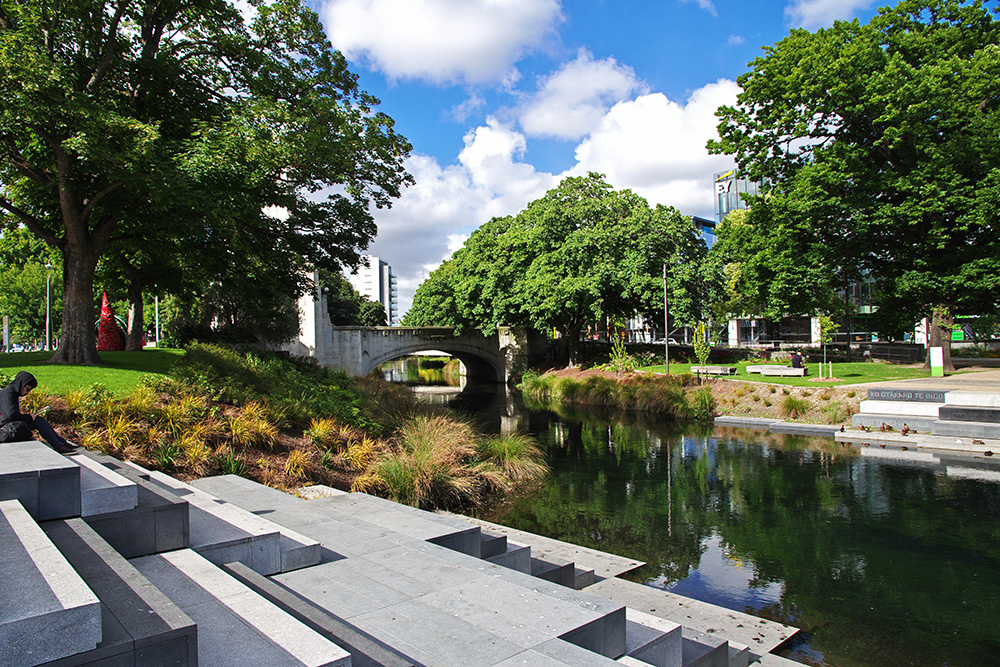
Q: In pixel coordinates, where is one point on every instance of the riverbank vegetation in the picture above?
(286, 423)
(676, 397)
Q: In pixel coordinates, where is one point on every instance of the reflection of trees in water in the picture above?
(883, 563)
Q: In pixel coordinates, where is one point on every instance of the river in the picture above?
(883, 558)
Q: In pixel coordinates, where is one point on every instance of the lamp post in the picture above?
(666, 325)
(48, 307)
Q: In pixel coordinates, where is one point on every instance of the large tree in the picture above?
(877, 149)
(186, 125)
(582, 252)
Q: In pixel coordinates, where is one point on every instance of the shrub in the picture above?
(323, 433)
(516, 455)
(297, 463)
(794, 406)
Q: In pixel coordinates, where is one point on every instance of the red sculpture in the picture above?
(109, 335)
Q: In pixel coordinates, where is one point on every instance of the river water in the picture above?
(883, 558)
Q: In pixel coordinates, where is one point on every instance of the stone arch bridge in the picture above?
(500, 357)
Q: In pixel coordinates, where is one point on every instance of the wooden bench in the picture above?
(783, 370)
(714, 370)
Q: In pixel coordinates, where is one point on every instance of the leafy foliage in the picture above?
(876, 148)
(582, 252)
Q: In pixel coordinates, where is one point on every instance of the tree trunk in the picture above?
(136, 326)
(939, 335)
(78, 344)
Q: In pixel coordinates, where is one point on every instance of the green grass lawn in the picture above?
(845, 373)
(120, 373)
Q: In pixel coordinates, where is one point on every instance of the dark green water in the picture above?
(882, 562)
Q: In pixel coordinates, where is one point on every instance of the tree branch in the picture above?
(110, 48)
(31, 222)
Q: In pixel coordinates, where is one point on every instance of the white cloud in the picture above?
(706, 5)
(735, 40)
(571, 102)
(433, 217)
(441, 41)
(812, 14)
(656, 147)
(462, 111)
(649, 144)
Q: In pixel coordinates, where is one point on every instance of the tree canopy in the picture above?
(877, 149)
(582, 252)
(213, 141)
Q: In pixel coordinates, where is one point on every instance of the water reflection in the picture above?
(885, 558)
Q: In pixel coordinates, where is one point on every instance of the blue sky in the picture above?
(501, 99)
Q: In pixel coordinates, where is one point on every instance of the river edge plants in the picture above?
(289, 423)
(676, 397)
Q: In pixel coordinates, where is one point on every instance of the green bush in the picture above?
(794, 406)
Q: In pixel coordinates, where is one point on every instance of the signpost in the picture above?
(937, 362)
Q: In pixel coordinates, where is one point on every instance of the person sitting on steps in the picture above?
(17, 427)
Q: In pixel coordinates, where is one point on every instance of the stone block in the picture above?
(235, 625)
(140, 625)
(46, 483)
(102, 490)
(515, 558)
(47, 612)
(901, 408)
(700, 649)
(653, 640)
(563, 574)
(959, 413)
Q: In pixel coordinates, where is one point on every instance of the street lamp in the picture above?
(48, 307)
(666, 325)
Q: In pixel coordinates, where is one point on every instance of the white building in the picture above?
(377, 282)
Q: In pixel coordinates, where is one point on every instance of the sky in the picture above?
(502, 99)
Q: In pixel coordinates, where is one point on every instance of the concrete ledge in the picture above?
(235, 625)
(224, 533)
(825, 430)
(102, 490)
(139, 624)
(784, 371)
(516, 557)
(651, 639)
(964, 429)
(699, 649)
(967, 414)
(897, 422)
(47, 612)
(46, 483)
(714, 370)
(901, 408)
(981, 399)
(365, 650)
(158, 523)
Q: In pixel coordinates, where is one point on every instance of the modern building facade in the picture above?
(377, 282)
(729, 193)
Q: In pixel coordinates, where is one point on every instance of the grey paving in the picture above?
(47, 612)
(235, 625)
(139, 624)
(45, 482)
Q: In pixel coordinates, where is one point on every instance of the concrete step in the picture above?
(738, 628)
(980, 399)
(959, 413)
(821, 430)
(491, 545)
(365, 650)
(139, 624)
(897, 422)
(375, 518)
(964, 429)
(46, 483)
(700, 649)
(158, 523)
(101, 489)
(563, 574)
(517, 557)
(47, 612)
(901, 408)
(235, 625)
(653, 640)
(226, 533)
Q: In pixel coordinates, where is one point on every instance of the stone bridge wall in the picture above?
(501, 357)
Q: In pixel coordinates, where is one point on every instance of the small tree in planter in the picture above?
(701, 347)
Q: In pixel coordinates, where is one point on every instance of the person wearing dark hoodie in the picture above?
(15, 426)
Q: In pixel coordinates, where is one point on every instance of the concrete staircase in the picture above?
(130, 566)
(960, 413)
